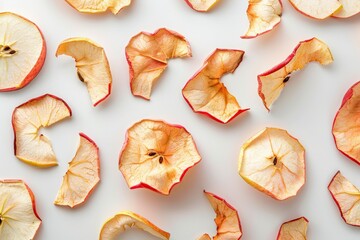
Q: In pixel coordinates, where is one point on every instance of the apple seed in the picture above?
(6, 48)
(161, 159)
(286, 79)
(80, 77)
(275, 161)
(151, 154)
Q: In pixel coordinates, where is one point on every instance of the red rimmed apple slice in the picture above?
(99, 6)
(349, 9)
(126, 219)
(347, 198)
(27, 119)
(293, 230)
(263, 15)
(206, 94)
(345, 127)
(318, 9)
(273, 162)
(201, 5)
(82, 175)
(22, 51)
(18, 216)
(147, 55)
(272, 82)
(156, 155)
(92, 66)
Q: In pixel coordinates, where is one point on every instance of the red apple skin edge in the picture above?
(201, 11)
(144, 185)
(33, 99)
(347, 96)
(290, 222)
(37, 67)
(109, 92)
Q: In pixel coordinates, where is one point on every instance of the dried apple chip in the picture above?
(272, 82)
(27, 119)
(347, 198)
(263, 16)
(349, 9)
(99, 6)
(204, 237)
(147, 55)
(318, 9)
(126, 219)
(201, 5)
(92, 66)
(82, 176)
(206, 94)
(18, 216)
(156, 155)
(345, 127)
(274, 163)
(293, 230)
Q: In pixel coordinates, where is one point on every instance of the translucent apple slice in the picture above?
(263, 15)
(272, 82)
(318, 9)
(274, 163)
(349, 9)
(92, 66)
(18, 216)
(99, 6)
(82, 176)
(147, 55)
(346, 128)
(22, 51)
(293, 230)
(125, 220)
(347, 198)
(201, 5)
(206, 94)
(156, 155)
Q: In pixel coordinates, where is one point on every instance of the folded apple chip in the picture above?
(126, 219)
(156, 155)
(206, 94)
(27, 119)
(346, 127)
(99, 6)
(82, 176)
(201, 5)
(18, 217)
(318, 9)
(347, 198)
(263, 16)
(272, 82)
(204, 237)
(293, 230)
(274, 163)
(92, 66)
(349, 9)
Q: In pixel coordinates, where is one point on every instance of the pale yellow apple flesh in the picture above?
(99, 6)
(294, 230)
(201, 5)
(349, 9)
(318, 9)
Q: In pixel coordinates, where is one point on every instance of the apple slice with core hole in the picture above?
(349, 9)
(201, 5)
(92, 66)
(347, 198)
(318, 9)
(272, 82)
(274, 163)
(346, 127)
(99, 6)
(156, 155)
(82, 176)
(125, 220)
(30, 146)
(206, 94)
(263, 16)
(147, 55)
(18, 216)
(293, 230)
(22, 51)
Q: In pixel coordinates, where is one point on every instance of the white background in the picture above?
(306, 109)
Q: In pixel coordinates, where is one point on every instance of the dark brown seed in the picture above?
(0, 221)
(275, 161)
(151, 154)
(80, 77)
(286, 79)
(161, 159)
(6, 48)
(12, 52)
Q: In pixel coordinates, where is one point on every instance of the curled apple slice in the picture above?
(201, 5)
(92, 66)
(345, 127)
(293, 230)
(263, 16)
(318, 9)
(82, 176)
(349, 9)
(347, 198)
(274, 163)
(206, 94)
(126, 219)
(18, 217)
(30, 146)
(147, 55)
(156, 155)
(99, 6)
(272, 82)
(204, 237)
(22, 51)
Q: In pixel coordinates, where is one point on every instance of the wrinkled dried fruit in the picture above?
(206, 94)
(156, 155)
(274, 163)
(204, 237)
(349, 9)
(30, 146)
(318, 9)
(147, 55)
(201, 5)
(293, 230)
(99, 6)
(272, 82)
